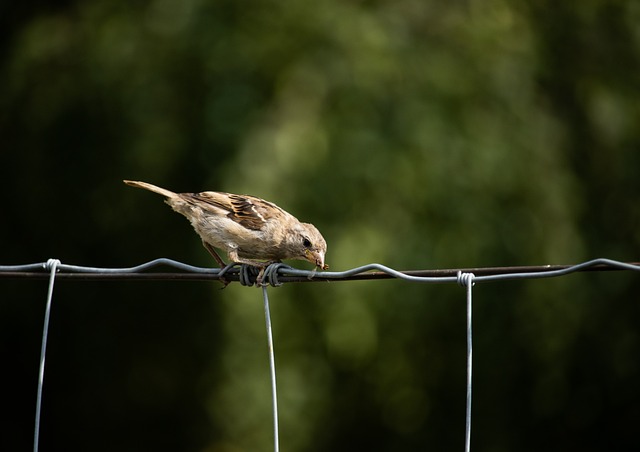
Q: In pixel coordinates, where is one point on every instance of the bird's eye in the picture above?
(306, 242)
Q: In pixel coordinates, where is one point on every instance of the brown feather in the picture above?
(248, 211)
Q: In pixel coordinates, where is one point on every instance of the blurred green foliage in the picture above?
(417, 134)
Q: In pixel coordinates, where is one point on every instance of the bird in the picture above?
(248, 229)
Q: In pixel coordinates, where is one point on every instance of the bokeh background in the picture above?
(417, 134)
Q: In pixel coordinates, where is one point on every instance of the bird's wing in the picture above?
(248, 211)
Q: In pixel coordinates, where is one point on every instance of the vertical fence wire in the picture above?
(466, 280)
(272, 367)
(52, 265)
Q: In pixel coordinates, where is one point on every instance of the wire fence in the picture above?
(286, 274)
(278, 274)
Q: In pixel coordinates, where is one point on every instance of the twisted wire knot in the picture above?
(271, 274)
(51, 264)
(248, 274)
(465, 279)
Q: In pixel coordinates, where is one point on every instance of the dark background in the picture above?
(417, 134)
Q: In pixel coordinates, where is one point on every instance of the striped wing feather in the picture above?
(248, 211)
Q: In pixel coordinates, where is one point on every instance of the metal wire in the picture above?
(286, 274)
(272, 368)
(276, 275)
(467, 280)
(52, 265)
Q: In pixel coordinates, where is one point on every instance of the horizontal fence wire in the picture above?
(285, 273)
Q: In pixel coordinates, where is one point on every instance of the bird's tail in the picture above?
(150, 187)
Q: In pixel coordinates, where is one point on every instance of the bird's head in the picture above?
(306, 243)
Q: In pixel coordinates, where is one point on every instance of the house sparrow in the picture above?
(250, 230)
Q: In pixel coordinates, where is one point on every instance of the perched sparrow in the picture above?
(250, 230)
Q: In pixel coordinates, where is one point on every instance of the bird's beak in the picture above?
(317, 258)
